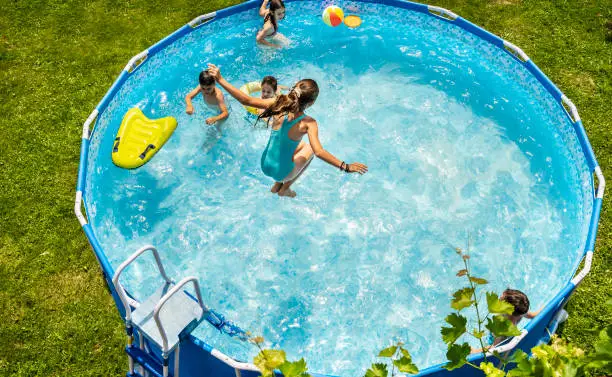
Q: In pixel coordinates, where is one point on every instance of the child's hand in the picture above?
(357, 167)
(189, 110)
(211, 121)
(214, 71)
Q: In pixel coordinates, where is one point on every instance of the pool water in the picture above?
(459, 140)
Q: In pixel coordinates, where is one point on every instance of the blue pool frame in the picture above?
(199, 358)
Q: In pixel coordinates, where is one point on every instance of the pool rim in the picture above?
(547, 320)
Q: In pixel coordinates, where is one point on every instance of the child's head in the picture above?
(277, 8)
(269, 86)
(302, 96)
(519, 300)
(207, 82)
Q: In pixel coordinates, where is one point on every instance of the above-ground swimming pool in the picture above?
(461, 137)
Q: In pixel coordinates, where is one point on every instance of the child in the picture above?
(213, 97)
(286, 156)
(271, 17)
(521, 309)
(269, 87)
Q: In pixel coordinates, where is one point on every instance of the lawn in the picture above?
(58, 58)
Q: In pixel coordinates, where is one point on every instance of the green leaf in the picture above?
(457, 356)
(491, 371)
(388, 352)
(405, 365)
(405, 352)
(478, 280)
(268, 360)
(478, 334)
(458, 327)
(462, 299)
(496, 306)
(293, 368)
(377, 370)
(501, 326)
(523, 366)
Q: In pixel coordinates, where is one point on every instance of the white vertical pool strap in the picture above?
(516, 51)
(201, 20)
(588, 259)
(602, 183)
(136, 61)
(570, 108)
(442, 13)
(77, 208)
(88, 122)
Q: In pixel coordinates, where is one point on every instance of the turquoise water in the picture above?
(458, 138)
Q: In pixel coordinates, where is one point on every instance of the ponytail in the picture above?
(302, 95)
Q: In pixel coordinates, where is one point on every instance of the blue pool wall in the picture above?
(197, 357)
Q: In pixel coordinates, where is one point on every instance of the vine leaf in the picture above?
(268, 360)
(388, 352)
(377, 370)
(462, 299)
(497, 306)
(294, 368)
(491, 371)
(462, 272)
(458, 327)
(480, 281)
(501, 326)
(405, 365)
(457, 356)
(478, 334)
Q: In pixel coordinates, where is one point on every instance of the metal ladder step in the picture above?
(142, 358)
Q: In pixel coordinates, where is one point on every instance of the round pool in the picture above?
(459, 138)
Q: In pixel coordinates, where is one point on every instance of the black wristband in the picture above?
(342, 165)
(346, 168)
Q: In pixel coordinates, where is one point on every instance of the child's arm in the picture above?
(532, 315)
(320, 152)
(263, 9)
(224, 113)
(189, 97)
(261, 37)
(280, 88)
(243, 98)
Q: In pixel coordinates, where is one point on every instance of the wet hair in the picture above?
(206, 79)
(303, 94)
(518, 299)
(270, 80)
(274, 6)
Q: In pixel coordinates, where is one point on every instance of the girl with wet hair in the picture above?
(271, 16)
(286, 156)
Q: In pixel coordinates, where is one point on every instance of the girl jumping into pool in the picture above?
(271, 16)
(286, 156)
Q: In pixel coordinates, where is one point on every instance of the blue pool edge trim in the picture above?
(531, 336)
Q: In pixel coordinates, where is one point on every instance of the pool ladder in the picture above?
(163, 319)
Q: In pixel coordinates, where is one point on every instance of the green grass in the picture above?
(58, 58)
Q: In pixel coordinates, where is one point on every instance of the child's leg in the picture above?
(302, 158)
(276, 186)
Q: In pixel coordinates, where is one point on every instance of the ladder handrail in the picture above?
(119, 288)
(167, 296)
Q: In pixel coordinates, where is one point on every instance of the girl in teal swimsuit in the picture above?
(286, 156)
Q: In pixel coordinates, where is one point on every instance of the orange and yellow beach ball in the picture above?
(333, 16)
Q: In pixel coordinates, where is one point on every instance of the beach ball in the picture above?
(333, 16)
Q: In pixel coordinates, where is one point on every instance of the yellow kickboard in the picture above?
(139, 138)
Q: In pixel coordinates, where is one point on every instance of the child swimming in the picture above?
(520, 302)
(271, 16)
(286, 156)
(213, 97)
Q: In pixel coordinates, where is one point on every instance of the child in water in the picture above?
(271, 16)
(213, 97)
(286, 156)
(521, 310)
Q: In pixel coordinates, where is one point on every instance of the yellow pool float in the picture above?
(139, 138)
(250, 89)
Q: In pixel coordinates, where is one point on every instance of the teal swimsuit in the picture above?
(277, 158)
